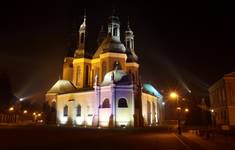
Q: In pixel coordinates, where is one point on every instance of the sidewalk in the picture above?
(215, 142)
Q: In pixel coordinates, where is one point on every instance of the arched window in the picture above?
(122, 103)
(106, 103)
(78, 113)
(104, 69)
(66, 110)
(115, 31)
(82, 37)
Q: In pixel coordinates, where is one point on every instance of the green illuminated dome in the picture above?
(119, 77)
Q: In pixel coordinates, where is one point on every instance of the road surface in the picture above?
(97, 139)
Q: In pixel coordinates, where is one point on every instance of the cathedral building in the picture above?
(104, 90)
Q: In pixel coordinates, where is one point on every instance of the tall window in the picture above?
(82, 37)
(87, 76)
(122, 103)
(78, 113)
(78, 75)
(106, 103)
(115, 31)
(128, 44)
(66, 110)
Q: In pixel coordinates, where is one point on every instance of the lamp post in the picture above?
(174, 95)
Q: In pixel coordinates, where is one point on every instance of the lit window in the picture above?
(66, 110)
(122, 103)
(106, 103)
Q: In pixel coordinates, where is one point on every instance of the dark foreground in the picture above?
(98, 139)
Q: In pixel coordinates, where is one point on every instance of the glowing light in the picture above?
(63, 120)
(11, 109)
(34, 113)
(39, 115)
(173, 95)
(25, 111)
(21, 99)
(186, 110)
(212, 110)
(178, 108)
(163, 103)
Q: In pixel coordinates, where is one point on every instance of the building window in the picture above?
(115, 31)
(87, 76)
(66, 110)
(106, 103)
(122, 103)
(82, 37)
(128, 44)
(78, 114)
(78, 75)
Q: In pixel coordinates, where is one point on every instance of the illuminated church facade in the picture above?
(104, 90)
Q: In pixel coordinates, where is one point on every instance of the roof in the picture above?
(151, 90)
(62, 86)
(110, 44)
(119, 77)
(131, 56)
(232, 74)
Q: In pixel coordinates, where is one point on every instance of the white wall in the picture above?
(88, 108)
(153, 117)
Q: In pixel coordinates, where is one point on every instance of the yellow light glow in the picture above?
(39, 115)
(34, 113)
(25, 112)
(186, 110)
(212, 110)
(178, 108)
(173, 95)
(11, 109)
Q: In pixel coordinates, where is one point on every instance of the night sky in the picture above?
(180, 44)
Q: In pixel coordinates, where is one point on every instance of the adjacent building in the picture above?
(222, 99)
(103, 90)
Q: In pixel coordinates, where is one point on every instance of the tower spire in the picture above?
(84, 17)
(129, 40)
(80, 52)
(128, 22)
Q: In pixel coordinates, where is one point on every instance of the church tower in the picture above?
(132, 59)
(80, 52)
(81, 62)
(114, 27)
(129, 38)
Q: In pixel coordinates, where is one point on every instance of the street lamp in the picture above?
(11, 109)
(25, 111)
(174, 95)
(186, 110)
